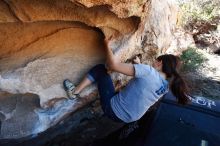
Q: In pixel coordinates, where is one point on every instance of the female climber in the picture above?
(148, 85)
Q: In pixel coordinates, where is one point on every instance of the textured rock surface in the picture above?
(42, 42)
(18, 109)
(38, 61)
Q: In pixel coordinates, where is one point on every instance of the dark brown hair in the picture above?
(178, 86)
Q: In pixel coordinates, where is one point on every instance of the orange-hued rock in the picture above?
(43, 42)
(41, 60)
(5, 13)
(123, 8)
(50, 10)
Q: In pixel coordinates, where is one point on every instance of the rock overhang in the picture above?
(38, 30)
(46, 41)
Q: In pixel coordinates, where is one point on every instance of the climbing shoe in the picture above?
(69, 88)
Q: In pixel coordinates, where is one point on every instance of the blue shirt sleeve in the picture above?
(142, 70)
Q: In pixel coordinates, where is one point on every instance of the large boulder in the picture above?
(45, 41)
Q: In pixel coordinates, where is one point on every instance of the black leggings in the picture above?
(106, 89)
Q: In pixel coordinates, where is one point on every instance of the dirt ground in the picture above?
(205, 81)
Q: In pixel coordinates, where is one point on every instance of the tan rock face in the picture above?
(123, 8)
(42, 42)
(5, 13)
(48, 10)
(41, 59)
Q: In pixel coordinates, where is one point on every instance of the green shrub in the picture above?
(199, 10)
(191, 59)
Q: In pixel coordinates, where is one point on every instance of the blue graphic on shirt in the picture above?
(163, 89)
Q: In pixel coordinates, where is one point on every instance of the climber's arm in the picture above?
(114, 64)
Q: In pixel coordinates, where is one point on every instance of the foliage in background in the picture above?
(191, 59)
(199, 10)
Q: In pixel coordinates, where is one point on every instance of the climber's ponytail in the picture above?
(178, 86)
